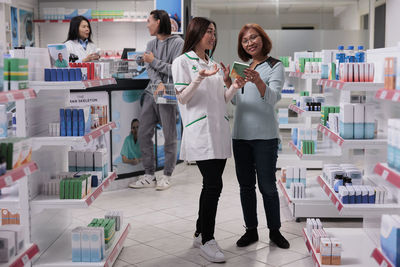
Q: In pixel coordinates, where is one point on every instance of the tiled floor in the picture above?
(163, 224)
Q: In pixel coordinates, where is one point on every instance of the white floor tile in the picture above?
(171, 244)
(148, 233)
(167, 261)
(274, 256)
(229, 244)
(298, 245)
(178, 226)
(120, 263)
(140, 253)
(306, 262)
(192, 255)
(240, 261)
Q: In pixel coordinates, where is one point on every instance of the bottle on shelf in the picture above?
(350, 56)
(340, 58)
(360, 55)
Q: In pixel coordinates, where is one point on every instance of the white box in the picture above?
(19, 236)
(85, 244)
(303, 172)
(76, 244)
(80, 161)
(96, 251)
(7, 250)
(362, 71)
(336, 251)
(371, 71)
(296, 174)
(346, 114)
(89, 160)
(326, 251)
(359, 113)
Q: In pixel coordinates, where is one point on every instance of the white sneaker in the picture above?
(197, 242)
(211, 251)
(144, 181)
(163, 183)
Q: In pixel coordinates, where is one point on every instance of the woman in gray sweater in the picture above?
(256, 133)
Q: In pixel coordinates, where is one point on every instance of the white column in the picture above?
(392, 29)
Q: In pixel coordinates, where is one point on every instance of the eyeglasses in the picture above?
(252, 39)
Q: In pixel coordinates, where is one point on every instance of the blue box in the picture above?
(390, 237)
(59, 75)
(81, 122)
(75, 122)
(72, 74)
(53, 75)
(65, 75)
(68, 118)
(47, 75)
(78, 76)
(346, 130)
(358, 130)
(369, 130)
(63, 131)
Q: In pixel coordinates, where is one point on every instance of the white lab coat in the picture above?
(74, 47)
(206, 133)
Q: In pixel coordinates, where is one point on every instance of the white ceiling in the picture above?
(268, 6)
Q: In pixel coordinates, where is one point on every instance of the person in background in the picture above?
(61, 62)
(206, 136)
(256, 133)
(160, 52)
(130, 151)
(79, 41)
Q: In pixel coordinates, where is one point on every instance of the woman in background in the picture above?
(79, 41)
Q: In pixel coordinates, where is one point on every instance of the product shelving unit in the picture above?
(355, 243)
(305, 76)
(91, 20)
(50, 155)
(320, 153)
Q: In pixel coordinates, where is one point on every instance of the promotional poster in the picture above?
(26, 29)
(175, 10)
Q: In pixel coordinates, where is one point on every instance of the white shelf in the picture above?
(305, 76)
(14, 95)
(357, 209)
(320, 153)
(352, 143)
(350, 86)
(9, 201)
(387, 173)
(290, 125)
(38, 142)
(304, 113)
(42, 202)
(26, 256)
(356, 246)
(290, 96)
(77, 85)
(59, 254)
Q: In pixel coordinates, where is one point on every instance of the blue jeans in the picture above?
(257, 157)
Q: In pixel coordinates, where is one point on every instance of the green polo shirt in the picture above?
(130, 149)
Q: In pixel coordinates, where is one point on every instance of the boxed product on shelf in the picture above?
(75, 187)
(356, 121)
(89, 161)
(19, 236)
(393, 150)
(346, 121)
(7, 250)
(16, 75)
(65, 75)
(390, 73)
(297, 190)
(326, 111)
(16, 151)
(117, 216)
(326, 251)
(283, 115)
(317, 234)
(356, 72)
(75, 121)
(109, 229)
(336, 247)
(99, 112)
(390, 237)
(295, 174)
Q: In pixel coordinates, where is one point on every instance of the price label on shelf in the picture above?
(27, 171)
(384, 263)
(26, 94)
(383, 94)
(102, 131)
(92, 198)
(8, 180)
(385, 174)
(25, 259)
(396, 97)
(329, 134)
(338, 86)
(338, 141)
(102, 187)
(10, 97)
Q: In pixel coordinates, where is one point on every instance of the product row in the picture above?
(12, 240)
(392, 73)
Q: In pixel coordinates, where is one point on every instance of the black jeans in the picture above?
(257, 157)
(211, 170)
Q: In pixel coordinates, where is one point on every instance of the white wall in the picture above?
(348, 18)
(106, 35)
(392, 31)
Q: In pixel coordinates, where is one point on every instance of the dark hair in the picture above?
(195, 31)
(267, 44)
(73, 33)
(165, 21)
(134, 120)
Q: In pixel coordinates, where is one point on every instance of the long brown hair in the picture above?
(195, 31)
(267, 44)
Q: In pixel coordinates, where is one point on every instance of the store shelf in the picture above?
(304, 113)
(355, 243)
(290, 96)
(381, 259)
(320, 154)
(290, 125)
(51, 202)
(387, 173)
(78, 85)
(14, 175)
(356, 209)
(352, 143)
(23, 258)
(11, 96)
(91, 20)
(59, 253)
(305, 75)
(350, 86)
(38, 142)
(391, 95)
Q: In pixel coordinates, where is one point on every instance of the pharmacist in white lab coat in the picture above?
(79, 41)
(206, 136)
